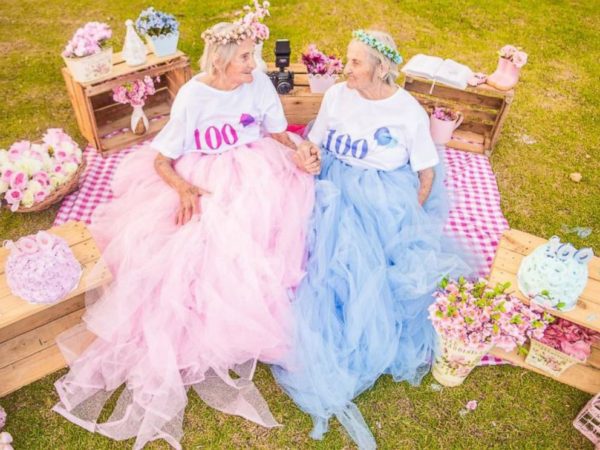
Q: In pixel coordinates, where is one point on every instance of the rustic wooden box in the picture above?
(484, 109)
(28, 350)
(514, 245)
(99, 116)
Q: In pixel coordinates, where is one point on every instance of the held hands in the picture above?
(308, 158)
(189, 202)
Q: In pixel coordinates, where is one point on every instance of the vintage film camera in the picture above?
(282, 79)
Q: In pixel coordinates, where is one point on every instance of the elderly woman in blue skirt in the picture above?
(376, 248)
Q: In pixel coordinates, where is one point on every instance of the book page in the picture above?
(453, 74)
(423, 66)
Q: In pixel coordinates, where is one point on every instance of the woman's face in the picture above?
(358, 70)
(239, 70)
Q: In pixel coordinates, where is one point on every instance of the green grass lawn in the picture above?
(553, 129)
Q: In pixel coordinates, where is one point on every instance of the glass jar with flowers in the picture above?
(135, 94)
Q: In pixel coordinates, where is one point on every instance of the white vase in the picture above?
(139, 121)
(134, 49)
(455, 361)
(320, 83)
(260, 63)
(92, 67)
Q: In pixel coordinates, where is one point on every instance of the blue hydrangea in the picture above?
(156, 23)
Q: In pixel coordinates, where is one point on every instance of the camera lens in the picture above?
(283, 87)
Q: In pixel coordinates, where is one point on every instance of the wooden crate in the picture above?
(484, 109)
(99, 116)
(28, 350)
(514, 246)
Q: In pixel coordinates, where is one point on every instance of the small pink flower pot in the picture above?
(506, 75)
(441, 130)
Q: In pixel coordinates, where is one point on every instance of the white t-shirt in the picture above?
(207, 120)
(377, 134)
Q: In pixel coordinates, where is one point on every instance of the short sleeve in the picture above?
(273, 117)
(319, 128)
(170, 140)
(422, 152)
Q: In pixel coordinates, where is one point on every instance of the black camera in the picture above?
(282, 79)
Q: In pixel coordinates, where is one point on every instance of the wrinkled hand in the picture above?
(189, 203)
(308, 158)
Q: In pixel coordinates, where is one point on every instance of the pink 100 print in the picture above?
(212, 138)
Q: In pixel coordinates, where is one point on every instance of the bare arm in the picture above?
(284, 139)
(189, 194)
(426, 177)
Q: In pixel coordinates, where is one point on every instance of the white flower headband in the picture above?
(244, 28)
(382, 48)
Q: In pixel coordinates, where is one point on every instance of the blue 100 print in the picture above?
(343, 145)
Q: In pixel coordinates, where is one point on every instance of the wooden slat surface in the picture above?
(514, 245)
(583, 377)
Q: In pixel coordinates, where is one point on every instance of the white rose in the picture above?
(67, 147)
(47, 163)
(70, 167)
(38, 148)
(56, 179)
(29, 165)
(3, 186)
(79, 154)
(28, 198)
(34, 186)
(3, 157)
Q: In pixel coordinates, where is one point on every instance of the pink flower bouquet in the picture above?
(29, 172)
(88, 40)
(135, 93)
(513, 54)
(318, 63)
(480, 317)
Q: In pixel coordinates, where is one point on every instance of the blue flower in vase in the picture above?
(384, 137)
(247, 119)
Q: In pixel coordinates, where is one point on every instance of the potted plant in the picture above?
(88, 55)
(443, 122)
(161, 31)
(135, 94)
(471, 318)
(511, 60)
(35, 175)
(562, 344)
(322, 70)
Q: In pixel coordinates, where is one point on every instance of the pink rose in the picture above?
(42, 178)
(507, 51)
(18, 180)
(27, 245)
(57, 168)
(40, 196)
(519, 59)
(579, 350)
(7, 175)
(16, 150)
(13, 196)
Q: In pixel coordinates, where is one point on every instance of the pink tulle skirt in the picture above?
(190, 306)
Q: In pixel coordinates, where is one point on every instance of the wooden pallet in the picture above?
(98, 115)
(484, 109)
(28, 350)
(514, 246)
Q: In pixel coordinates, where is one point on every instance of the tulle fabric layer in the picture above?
(375, 257)
(194, 305)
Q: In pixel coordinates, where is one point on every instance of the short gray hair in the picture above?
(376, 58)
(214, 51)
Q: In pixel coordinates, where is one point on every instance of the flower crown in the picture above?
(250, 26)
(382, 48)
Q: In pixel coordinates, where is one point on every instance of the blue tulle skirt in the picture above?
(375, 257)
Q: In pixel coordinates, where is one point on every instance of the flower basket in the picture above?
(320, 83)
(90, 68)
(163, 45)
(57, 195)
(588, 420)
(549, 359)
(455, 361)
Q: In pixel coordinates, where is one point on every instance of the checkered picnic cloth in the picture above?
(475, 219)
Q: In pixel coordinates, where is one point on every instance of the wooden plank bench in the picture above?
(514, 246)
(28, 350)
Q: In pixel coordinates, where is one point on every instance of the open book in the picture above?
(444, 71)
